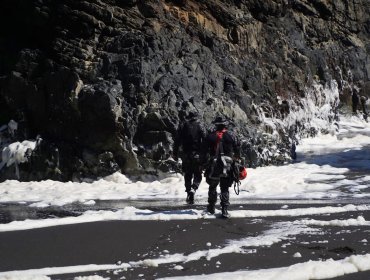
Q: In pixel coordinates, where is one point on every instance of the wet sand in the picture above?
(112, 241)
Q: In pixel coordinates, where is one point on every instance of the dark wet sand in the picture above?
(112, 241)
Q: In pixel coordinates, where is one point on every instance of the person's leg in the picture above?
(194, 177)
(212, 198)
(212, 195)
(225, 184)
(187, 170)
(197, 177)
(188, 176)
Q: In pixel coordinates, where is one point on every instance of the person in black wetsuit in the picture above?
(355, 101)
(190, 136)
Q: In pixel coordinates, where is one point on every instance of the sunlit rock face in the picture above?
(105, 83)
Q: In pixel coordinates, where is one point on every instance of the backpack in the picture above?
(220, 165)
(190, 135)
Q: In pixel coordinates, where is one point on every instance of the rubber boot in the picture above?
(225, 214)
(211, 208)
(190, 197)
(212, 199)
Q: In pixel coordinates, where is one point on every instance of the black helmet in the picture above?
(219, 121)
(193, 115)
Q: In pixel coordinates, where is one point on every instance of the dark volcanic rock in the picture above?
(106, 82)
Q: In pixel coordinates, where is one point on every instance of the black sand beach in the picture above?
(111, 242)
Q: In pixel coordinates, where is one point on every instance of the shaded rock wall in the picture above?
(105, 83)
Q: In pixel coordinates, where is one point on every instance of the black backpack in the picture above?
(191, 135)
(220, 164)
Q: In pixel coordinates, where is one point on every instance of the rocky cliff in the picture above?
(103, 84)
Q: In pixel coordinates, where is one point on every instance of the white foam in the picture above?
(36, 274)
(311, 178)
(25, 277)
(132, 213)
(93, 277)
(15, 153)
(301, 271)
(359, 221)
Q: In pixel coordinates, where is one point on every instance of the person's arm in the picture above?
(205, 149)
(177, 143)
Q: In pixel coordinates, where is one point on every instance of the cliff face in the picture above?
(106, 82)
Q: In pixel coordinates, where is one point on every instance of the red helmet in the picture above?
(242, 173)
